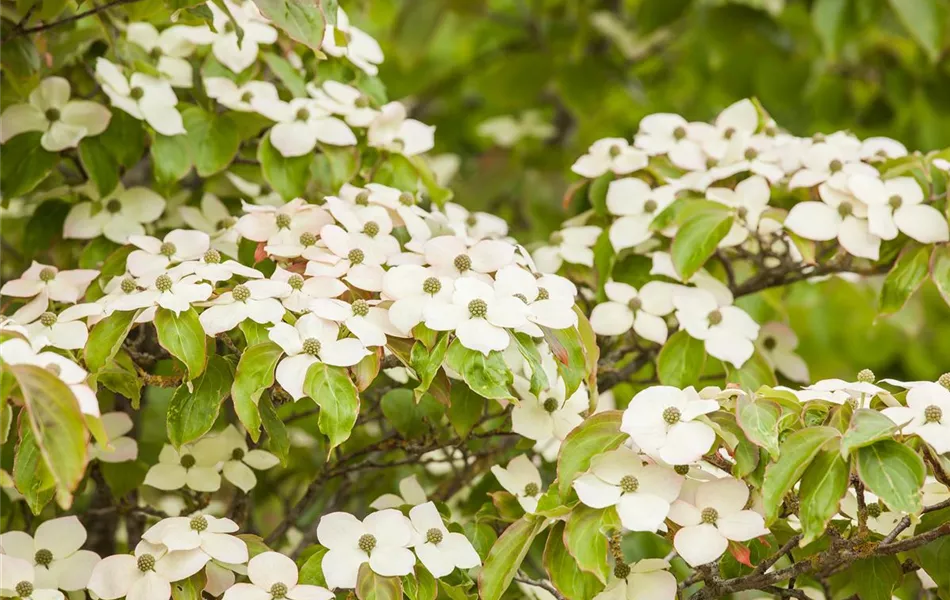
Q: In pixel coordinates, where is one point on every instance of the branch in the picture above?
(73, 18)
(544, 585)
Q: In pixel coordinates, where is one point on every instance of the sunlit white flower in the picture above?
(233, 53)
(122, 447)
(823, 160)
(146, 575)
(242, 98)
(273, 575)
(777, 343)
(898, 205)
(307, 289)
(367, 321)
(18, 577)
(258, 300)
(926, 415)
(410, 492)
(118, 216)
(199, 532)
(301, 123)
(610, 154)
(17, 351)
(839, 391)
(344, 100)
(64, 122)
(882, 148)
(419, 294)
(194, 466)
(64, 330)
(170, 47)
(173, 290)
(475, 226)
(479, 315)
(450, 257)
(572, 245)
(45, 283)
(382, 539)
(393, 131)
(642, 310)
(648, 579)
(241, 462)
(440, 550)
(550, 414)
(153, 256)
(727, 331)
(264, 223)
(54, 555)
(356, 254)
(259, 194)
(553, 310)
(637, 205)
(521, 479)
(663, 422)
(362, 50)
(142, 96)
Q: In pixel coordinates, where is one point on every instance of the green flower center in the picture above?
(366, 543)
(128, 285)
(835, 166)
(431, 286)
(187, 461)
(246, 97)
(307, 239)
(679, 133)
(681, 469)
(278, 590)
(933, 414)
(434, 536)
(944, 380)
(629, 484)
(462, 263)
(728, 133)
(649, 207)
(531, 490)
(356, 256)
(163, 283)
(24, 589)
(543, 294)
(557, 238)
(167, 249)
(237, 454)
(866, 376)
(311, 346)
(615, 151)
(845, 209)
(371, 228)
(635, 304)
(54, 369)
(874, 510)
(145, 563)
(895, 201)
(769, 343)
(198, 523)
(521, 297)
(672, 415)
(136, 93)
(283, 220)
(225, 223)
(478, 308)
(113, 206)
(551, 405)
(241, 293)
(52, 114)
(709, 515)
(407, 199)
(742, 212)
(43, 557)
(303, 114)
(751, 153)
(212, 257)
(710, 162)
(360, 308)
(48, 274)
(48, 319)
(362, 199)
(715, 317)
(295, 281)
(621, 570)
(361, 102)
(471, 220)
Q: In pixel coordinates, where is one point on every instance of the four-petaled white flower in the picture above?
(241, 462)
(367, 321)
(142, 96)
(233, 53)
(879, 519)
(748, 201)
(393, 131)
(550, 414)
(637, 205)
(357, 254)
(43, 283)
(344, 100)
(610, 154)
(64, 122)
(648, 579)
(19, 577)
(118, 216)
(824, 161)
(307, 289)
(264, 223)
(552, 308)
(898, 205)
(777, 343)
(273, 575)
(410, 492)
(663, 422)
(382, 539)
(642, 309)
(479, 315)
(572, 245)
(926, 415)
(727, 331)
(521, 479)
(840, 215)
(54, 555)
(199, 532)
(241, 98)
(419, 294)
(362, 50)
(146, 575)
(172, 290)
(258, 300)
(153, 255)
(440, 550)
(65, 330)
(301, 123)
(450, 257)
(196, 466)
(170, 47)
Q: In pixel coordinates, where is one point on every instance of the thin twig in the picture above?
(73, 18)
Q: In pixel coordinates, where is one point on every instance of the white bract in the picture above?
(382, 539)
(273, 575)
(232, 53)
(839, 216)
(121, 214)
(440, 550)
(54, 555)
(44, 283)
(610, 154)
(301, 123)
(65, 330)
(648, 579)
(777, 343)
(169, 48)
(121, 448)
(241, 462)
(17, 351)
(897, 205)
(522, 479)
(62, 121)
(637, 205)
(153, 255)
(663, 422)
(392, 130)
(199, 532)
(727, 331)
(142, 96)
(146, 575)
(257, 300)
(359, 47)
(479, 315)
(410, 492)
(197, 467)
(171, 290)
(18, 577)
(420, 294)
(927, 415)
(572, 245)
(642, 310)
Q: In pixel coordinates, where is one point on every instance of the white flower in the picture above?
(553, 310)
(450, 257)
(649, 579)
(839, 391)
(362, 50)
(17, 351)
(257, 300)
(146, 575)
(663, 265)
(419, 294)
(711, 518)
(474, 226)
(311, 340)
(64, 330)
(238, 467)
(117, 217)
(195, 466)
(410, 492)
(662, 420)
(301, 123)
(882, 148)
(879, 519)
(381, 539)
(212, 217)
(572, 245)
(642, 310)
(440, 550)
(233, 54)
(898, 205)
(370, 224)
(241, 98)
(508, 130)
(307, 289)
(45, 283)
(54, 555)
(264, 223)
(142, 96)
(173, 290)
(637, 205)
(777, 343)
(610, 154)
(550, 414)
(211, 268)
(18, 577)
(727, 331)
(123, 448)
(521, 479)
(641, 492)
(926, 415)
(204, 532)
(153, 256)
(368, 322)
(749, 200)
(64, 122)
(393, 131)
(171, 47)
(273, 575)
(824, 160)
(344, 100)
(479, 315)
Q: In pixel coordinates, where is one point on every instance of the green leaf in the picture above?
(106, 337)
(596, 435)
(529, 351)
(698, 237)
(586, 540)
(824, 483)
(25, 164)
(505, 557)
(58, 426)
(488, 376)
(124, 138)
(893, 472)
(44, 230)
(426, 362)
(311, 572)
(421, 586)
(681, 360)
(339, 402)
(753, 374)
(905, 277)
(406, 415)
(876, 577)
(829, 18)
(286, 73)
(563, 570)
(940, 270)
(255, 373)
(568, 349)
(370, 586)
(191, 413)
(288, 176)
(922, 19)
(465, 409)
(30, 475)
(759, 421)
(797, 452)
(279, 439)
(597, 193)
(213, 139)
(171, 157)
(190, 588)
(867, 426)
(123, 477)
(99, 165)
(482, 537)
(184, 338)
(302, 20)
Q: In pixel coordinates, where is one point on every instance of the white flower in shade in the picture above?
(242, 98)
(440, 550)
(54, 554)
(663, 422)
(550, 414)
(241, 463)
(233, 53)
(641, 492)
(642, 309)
(711, 515)
(547, 309)
(898, 205)
(153, 256)
(881, 148)
(934, 492)
(777, 343)
(259, 194)
(146, 575)
(18, 577)
(727, 331)
(266, 223)
(45, 283)
(573, 245)
(170, 48)
(927, 415)
(637, 205)
(648, 579)
(419, 294)
(258, 300)
(122, 447)
(479, 315)
(142, 96)
(194, 466)
(879, 519)
(521, 479)
(508, 130)
(368, 322)
(17, 351)
(301, 123)
(120, 215)
(307, 289)
(344, 100)
(401, 210)
(410, 492)
(450, 257)
(382, 539)
(393, 131)
(213, 218)
(273, 575)
(610, 154)
(748, 201)
(362, 50)
(173, 290)
(309, 341)
(824, 160)
(64, 122)
(671, 134)
(204, 532)
(65, 330)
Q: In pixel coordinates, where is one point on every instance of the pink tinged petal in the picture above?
(857, 240)
(742, 526)
(813, 221)
(392, 562)
(687, 442)
(923, 223)
(611, 318)
(224, 548)
(642, 512)
(595, 492)
(292, 373)
(114, 576)
(342, 565)
(61, 536)
(700, 544)
(151, 586)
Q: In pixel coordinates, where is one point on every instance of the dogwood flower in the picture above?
(641, 492)
(662, 421)
(172, 290)
(360, 48)
(54, 556)
(550, 414)
(213, 218)
(479, 315)
(304, 290)
(555, 311)
(234, 53)
(355, 254)
(822, 161)
(122, 447)
(257, 300)
(878, 518)
(368, 322)
(610, 154)
(898, 205)
(419, 294)
(449, 256)
(154, 256)
(748, 201)
(301, 123)
(192, 466)
(521, 479)
(262, 223)
(118, 216)
(311, 340)
(17, 351)
(171, 47)
(65, 330)
(648, 579)
(44, 283)
(146, 575)
(344, 100)
(273, 575)
(881, 148)
(727, 331)
(242, 98)
(199, 532)
(777, 343)
(711, 515)
(637, 205)
(840, 391)
(572, 245)
(927, 415)
(142, 96)
(64, 122)
(642, 310)
(440, 550)
(410, 492)
(393, 131)
(241, 463)
(18, 578)
(382, 539)
(475, 226)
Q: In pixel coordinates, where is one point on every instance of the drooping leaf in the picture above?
(824, 483)
(191, 413)
(529, 351)
(905, 277)
(681, 360)
(876, 577)
(867, 426)
(30, 475)
(465, 410)
(922, 19)
(563, 570)
(488, 376)
(568, 349)
(426, 362)
(797, 452)
(505, 557)
(339, 402)
(940, 270)
(255, 373)
(99, 164)
(372, 586)
(759, 421)
(184, 338)
(279, 438)
(585, 537)
(25, 164)
(106, 337)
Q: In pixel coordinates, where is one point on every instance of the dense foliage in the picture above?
(241, 311)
